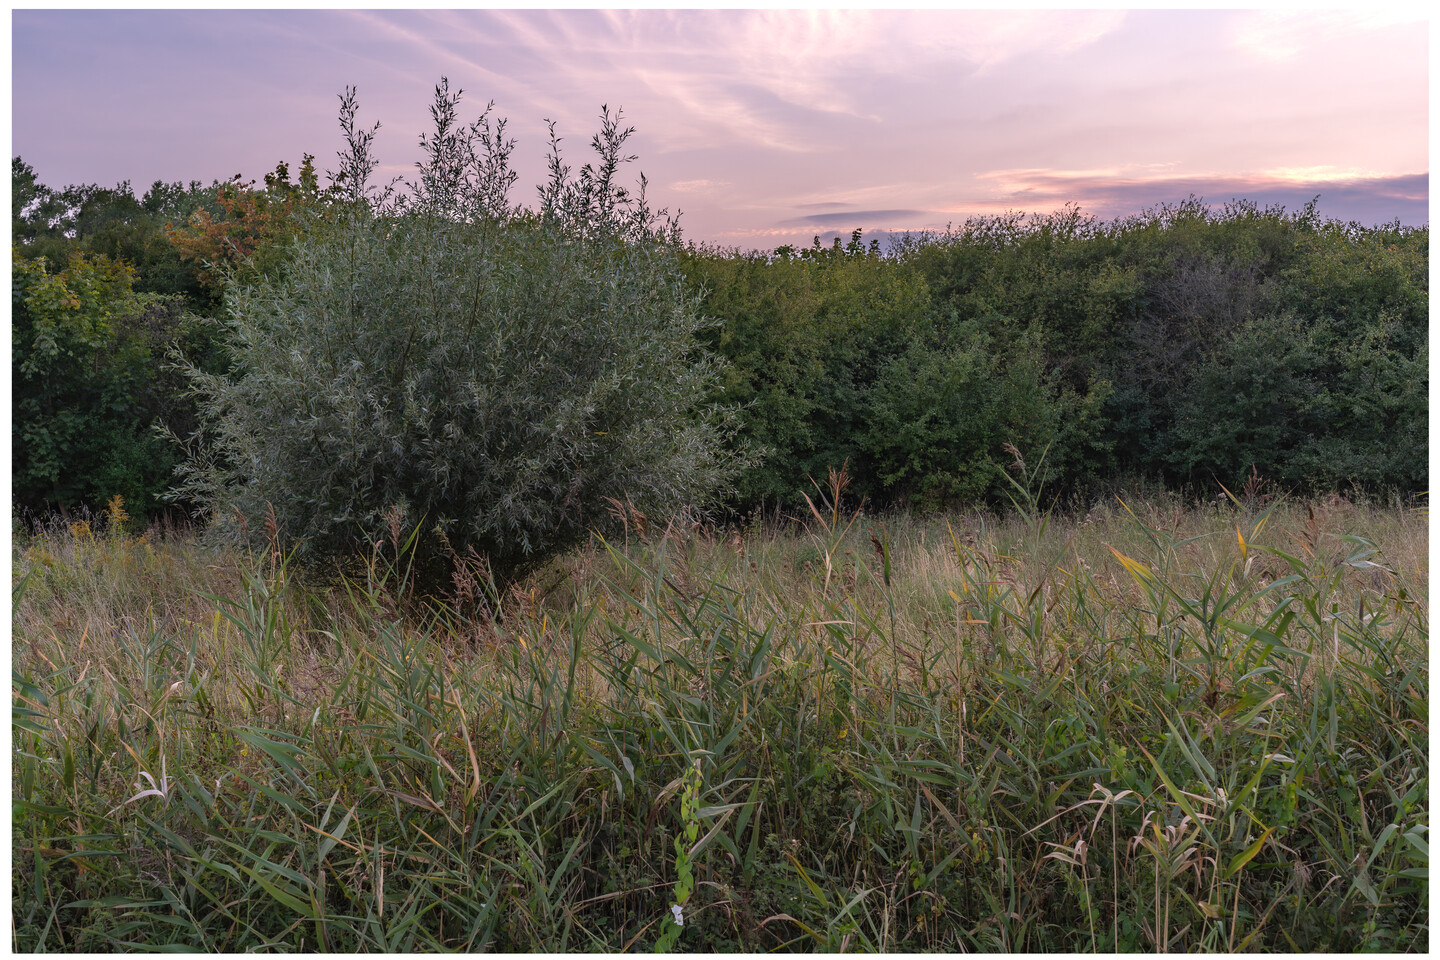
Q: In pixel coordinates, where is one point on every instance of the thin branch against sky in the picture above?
(768, 127)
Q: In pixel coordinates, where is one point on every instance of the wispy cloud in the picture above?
(1282, 36)
(698, 186)
(748, 77)
(757, 122)
(858, 218)
(1111, 194)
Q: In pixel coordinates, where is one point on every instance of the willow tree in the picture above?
(434, 353)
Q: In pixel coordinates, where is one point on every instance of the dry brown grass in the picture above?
(89, 590)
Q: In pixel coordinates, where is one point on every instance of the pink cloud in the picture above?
(748, 118)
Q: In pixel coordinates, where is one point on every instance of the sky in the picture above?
(768, 127)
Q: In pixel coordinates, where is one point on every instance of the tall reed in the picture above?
(1148, 727)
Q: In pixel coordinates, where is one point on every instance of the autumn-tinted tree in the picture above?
(246, 236)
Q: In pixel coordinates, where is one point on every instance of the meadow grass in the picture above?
(1146, 726)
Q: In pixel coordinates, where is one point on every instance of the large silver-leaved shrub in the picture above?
(501, 372)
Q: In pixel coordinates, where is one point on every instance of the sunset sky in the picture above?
(769, 127)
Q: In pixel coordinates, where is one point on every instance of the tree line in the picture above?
(1186, 345)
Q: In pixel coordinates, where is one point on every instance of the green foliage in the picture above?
(33, 206)
(840, 355)
(55, 224)
(1374, 410)
(94, 337)
(1211, 327)
(502, 374)
(671, 926)
(1308, 405)
(1358, 275)
(1245, 406)
(1185, 344)
(940, 416)
(87, 385)
(806, 336)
